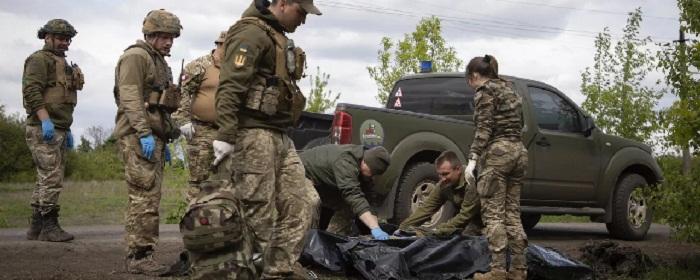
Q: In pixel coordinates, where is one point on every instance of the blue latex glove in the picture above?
(167, 155)
(148, 144)
(47, 129)
(69, 140)
(379, 234)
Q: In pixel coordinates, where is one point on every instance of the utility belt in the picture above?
(166, 99)
(203, 123)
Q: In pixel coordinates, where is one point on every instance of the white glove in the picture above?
(221, 151)
(469, 172)
(187, 130)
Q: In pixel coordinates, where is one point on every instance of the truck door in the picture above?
(565, 161)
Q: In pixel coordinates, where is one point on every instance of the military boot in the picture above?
(517, 274)
(52, 231)
(35, 224)
(491, 275)
(140, 261)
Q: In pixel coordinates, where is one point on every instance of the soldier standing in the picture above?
(49, 91)
(196, 116)
(145, 96)
(502, 160)
(339, 173)
(454, 187)
(257, 100)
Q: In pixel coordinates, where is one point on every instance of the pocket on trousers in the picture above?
(139, 171)
(484, 186)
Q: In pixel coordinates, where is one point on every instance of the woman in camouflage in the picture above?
(502, 160)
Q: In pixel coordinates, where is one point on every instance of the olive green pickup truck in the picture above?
(574, 168)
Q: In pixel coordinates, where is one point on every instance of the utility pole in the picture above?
(683, 94)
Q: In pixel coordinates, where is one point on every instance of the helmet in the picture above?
(57, 26)
(161, 21)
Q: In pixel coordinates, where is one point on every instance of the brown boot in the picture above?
(518, 274)
(52, 231)
(491, 275)
(140, 261)
(35, 224)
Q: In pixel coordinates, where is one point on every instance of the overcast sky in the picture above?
(550, 41)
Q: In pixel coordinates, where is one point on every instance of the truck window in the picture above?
(553, 112)
(437, 96)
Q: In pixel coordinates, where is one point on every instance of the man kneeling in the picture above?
(451, 187)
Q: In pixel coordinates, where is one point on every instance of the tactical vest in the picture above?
(159, 93)
(266, 92)
(213, 222)
(69, 79)
(203, 104)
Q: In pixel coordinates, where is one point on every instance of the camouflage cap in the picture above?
(308, 6)
(222, 37)
(57, 26)
(161, 21)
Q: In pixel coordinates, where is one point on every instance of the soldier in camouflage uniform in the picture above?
(502, 161)
(196, 116)
(341, 175)
(49, 91)
(256, 102)
(452, 187)
(145, 96)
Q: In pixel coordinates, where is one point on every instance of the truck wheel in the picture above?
(414, 188)
(631, 216)
(530, 220)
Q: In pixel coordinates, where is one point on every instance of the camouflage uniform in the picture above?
(145, 96)
(51, 84)
(199, 83)
(256, 102)
(502, 161)
(468, 219)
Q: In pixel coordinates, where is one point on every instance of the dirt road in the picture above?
(98, 251)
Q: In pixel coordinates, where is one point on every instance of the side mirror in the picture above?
(588, 125)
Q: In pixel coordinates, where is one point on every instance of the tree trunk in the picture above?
(686, 161)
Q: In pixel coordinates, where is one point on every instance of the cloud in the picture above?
(530, 39)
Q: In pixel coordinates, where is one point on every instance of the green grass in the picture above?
(89, 202)
(564, 219)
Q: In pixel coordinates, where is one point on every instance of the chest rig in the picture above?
(280, 92)
(69, 80)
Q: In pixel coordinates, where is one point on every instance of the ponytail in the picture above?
(486, 66)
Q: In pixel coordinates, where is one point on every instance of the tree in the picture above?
(16, 163)
(403, 57)
(677, 61)
(319, 99)
(614, 88)
(98, 134)
(84, 146)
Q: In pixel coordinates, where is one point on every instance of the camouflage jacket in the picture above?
(191, 80)
(462, 195)
(497, 115)
(39, 75)
(139, 70)
(249, 55)
(335, 172)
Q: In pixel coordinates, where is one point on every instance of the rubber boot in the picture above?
(140, 261)
(52, 231)
(35, 224)
(491, 275)
(518, 274)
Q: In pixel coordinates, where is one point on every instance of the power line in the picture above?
(481, 23)
(539, 4)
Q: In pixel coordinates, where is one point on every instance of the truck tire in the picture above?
(530, 220)
(414, 185)
(631, 216)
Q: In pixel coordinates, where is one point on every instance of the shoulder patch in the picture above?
(240, 56)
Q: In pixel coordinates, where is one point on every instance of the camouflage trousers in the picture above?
(143, 178)
(502, 169)
(200, 155)
(50, 160)
(278, 201)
